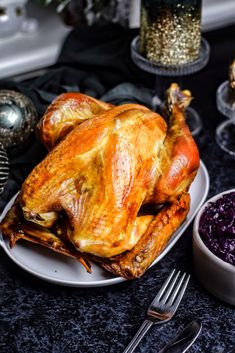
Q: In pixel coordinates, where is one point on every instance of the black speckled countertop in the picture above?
(40, 317)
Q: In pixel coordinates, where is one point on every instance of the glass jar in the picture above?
(170, 31)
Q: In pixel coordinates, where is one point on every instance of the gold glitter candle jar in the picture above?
(170, 31)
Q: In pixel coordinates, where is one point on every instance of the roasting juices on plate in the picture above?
(105, 165)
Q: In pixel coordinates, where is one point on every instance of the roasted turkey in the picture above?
(113, 187)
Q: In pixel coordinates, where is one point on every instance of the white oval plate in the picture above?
(59, 269)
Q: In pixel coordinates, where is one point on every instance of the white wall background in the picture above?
(215, 13)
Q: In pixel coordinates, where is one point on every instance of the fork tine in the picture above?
(163, 288)
(169, 290)
(177, 288)
(179, 295)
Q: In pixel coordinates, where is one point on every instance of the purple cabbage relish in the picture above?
(217, 227)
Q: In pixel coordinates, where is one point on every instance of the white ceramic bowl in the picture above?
(216, 275)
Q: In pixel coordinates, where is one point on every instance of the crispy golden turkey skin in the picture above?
(86, 195)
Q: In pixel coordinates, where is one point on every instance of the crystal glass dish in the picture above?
(170, 70)
(225, 132)
(225, 100)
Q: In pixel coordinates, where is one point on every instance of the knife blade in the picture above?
(184, 340)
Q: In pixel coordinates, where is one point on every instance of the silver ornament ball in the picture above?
(18, 118)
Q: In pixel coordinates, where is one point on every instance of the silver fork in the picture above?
(163, 306)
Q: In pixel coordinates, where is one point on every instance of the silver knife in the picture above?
(185, 339)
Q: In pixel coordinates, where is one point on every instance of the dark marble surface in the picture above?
(38, 317)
